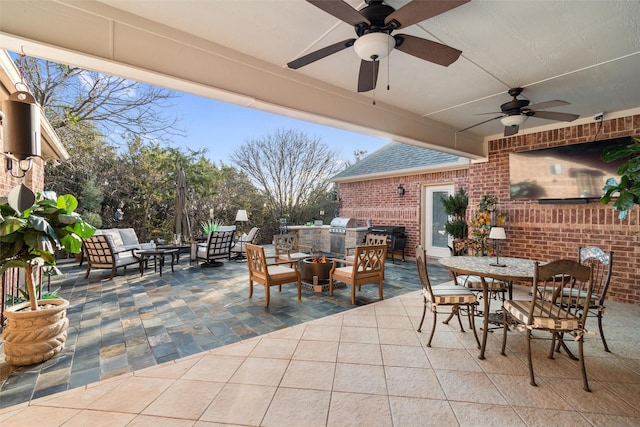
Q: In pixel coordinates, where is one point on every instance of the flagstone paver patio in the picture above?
(132, 322)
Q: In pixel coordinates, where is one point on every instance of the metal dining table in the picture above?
(514, 269)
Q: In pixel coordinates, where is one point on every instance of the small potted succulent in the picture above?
(36, 330)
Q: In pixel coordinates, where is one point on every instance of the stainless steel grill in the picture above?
(337, 231)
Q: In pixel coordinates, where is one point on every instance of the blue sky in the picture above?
(221, 127)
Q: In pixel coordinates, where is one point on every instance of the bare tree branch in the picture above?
(291, 169)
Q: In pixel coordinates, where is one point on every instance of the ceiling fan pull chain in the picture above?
(373, 73)
(388, 68)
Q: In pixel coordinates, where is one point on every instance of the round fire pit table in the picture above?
(314, 272)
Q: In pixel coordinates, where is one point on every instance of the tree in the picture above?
(291, 170)
(115, 107)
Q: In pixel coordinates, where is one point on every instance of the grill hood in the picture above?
(341, 222)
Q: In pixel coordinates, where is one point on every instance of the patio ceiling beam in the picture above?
(95, 36)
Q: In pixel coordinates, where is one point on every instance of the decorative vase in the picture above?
(32, 337)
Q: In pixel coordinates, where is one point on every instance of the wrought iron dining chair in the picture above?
(446, 294)
(602, 263)
(554, 312)
(273, 274)
(496, 288)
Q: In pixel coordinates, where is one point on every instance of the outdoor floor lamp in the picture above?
(242, 216)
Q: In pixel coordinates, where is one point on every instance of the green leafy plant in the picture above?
(455, 205)
(628, 188)
(210, 226)
(30, 238)
(486, 217)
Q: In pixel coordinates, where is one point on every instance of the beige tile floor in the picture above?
(364, 367)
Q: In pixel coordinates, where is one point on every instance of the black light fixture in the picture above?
(400, 190)
(21, 130)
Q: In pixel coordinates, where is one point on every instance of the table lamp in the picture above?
(497, 233)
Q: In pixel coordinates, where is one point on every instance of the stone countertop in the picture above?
(307, 227)
(313, 227)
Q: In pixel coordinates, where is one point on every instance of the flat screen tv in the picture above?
(568, 173)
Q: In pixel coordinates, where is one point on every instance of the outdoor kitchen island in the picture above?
(319, 238)
(327, 242)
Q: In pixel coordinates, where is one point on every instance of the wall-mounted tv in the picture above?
(570, 172)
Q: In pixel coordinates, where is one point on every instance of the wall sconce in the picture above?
(21, 131)
(400, 190)
(24, 166)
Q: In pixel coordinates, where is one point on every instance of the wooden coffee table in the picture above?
(158, 258)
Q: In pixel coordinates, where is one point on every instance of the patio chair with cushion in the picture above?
(445, 294)
(288, 248)
(602, 263)
(218, 246)
(369, 240)
(237, 250)
(367, 267)
(274, 274)
(102, 253)
(496, 288)
(554, 312)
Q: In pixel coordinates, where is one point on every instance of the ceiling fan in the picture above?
(515, 112)
(374, 24)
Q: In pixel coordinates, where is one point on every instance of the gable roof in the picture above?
(399, 159)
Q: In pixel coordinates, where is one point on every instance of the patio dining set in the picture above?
(563, 292)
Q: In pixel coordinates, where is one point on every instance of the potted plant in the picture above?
(36, 330)
(486, 217)
(209, 226)
(628, 189)
(456, 207)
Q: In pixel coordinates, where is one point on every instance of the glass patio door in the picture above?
(436, 240)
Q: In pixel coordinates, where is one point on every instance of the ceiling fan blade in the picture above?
(548, 104)
(481, 123)
(511, 130)
(340, 10)
(419, 10)
(552, 115)
(368, 75)
(320, 53)
(426, 49)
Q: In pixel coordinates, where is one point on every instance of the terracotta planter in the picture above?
(32, 337)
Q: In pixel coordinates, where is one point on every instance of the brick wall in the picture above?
(533, 230)
(379, 201)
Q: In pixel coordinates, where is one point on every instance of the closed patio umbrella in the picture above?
(182, 224)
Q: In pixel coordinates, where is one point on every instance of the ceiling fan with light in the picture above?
(373, 25)
(514, 113)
